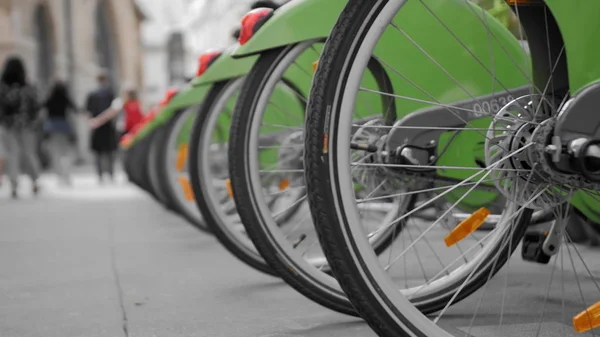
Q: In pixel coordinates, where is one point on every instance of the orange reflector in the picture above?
(467, 226)
(182, 155)
(588, 319)
(187, 189)
(315, 65)
(284, 184)
(229, 189)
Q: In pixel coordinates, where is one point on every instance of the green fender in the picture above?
(226, 67)
(294, 22)
(192, 95)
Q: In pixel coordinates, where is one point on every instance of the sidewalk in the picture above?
(108, 261)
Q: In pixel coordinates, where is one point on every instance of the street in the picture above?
(108, 261)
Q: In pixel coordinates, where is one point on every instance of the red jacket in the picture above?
(133, 114)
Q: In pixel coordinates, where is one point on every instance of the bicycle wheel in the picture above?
(142, 153)
(173, 166)
(210, 176)
(447, 147)
(267, 171)
(156, 185)
(130, 170)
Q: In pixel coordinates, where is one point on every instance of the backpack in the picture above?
(12, 102)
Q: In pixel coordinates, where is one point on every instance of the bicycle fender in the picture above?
(226, 67)
(294, 22)
(191, 96)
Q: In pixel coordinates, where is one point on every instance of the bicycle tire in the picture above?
(163, 167)
(286, 268)
(370, 302)
(212, 220)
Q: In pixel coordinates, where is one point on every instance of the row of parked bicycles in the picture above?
(387, 158)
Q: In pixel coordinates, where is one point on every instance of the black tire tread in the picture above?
(330, 231)
(238, 144)
(168, 189)
(197, 187)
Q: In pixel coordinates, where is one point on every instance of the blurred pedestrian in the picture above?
(2, 152)
(19, 117)
(104, 133)
(60, 108)
(132, 113)
(132, 109)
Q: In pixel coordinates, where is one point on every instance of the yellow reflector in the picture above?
(182, 155)
(315, 65)
(187, 189)
(467, 226)
(284, 184)
(588, 319)
(229, 189)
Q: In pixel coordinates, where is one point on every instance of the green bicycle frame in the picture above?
(237, 61)
(294, 22)
(288, 25)
(190, 96)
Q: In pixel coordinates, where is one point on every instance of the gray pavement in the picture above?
(108, 261)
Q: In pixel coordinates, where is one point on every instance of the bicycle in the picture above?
(480, 120)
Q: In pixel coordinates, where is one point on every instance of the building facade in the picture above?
(72, 40)
(210, 23)
(163, 45)
(176, 32)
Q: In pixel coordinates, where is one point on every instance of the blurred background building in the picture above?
(72, 39)
(163, 44)
(176, 32)
(150, 45)
(211, 23)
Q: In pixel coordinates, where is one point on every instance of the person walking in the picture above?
(2, 152)
(104, 135)
(132, 109)
(131, 118)
(60, 109)
(19, 116)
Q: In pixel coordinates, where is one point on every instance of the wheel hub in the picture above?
(513, 157)
(516, 151)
